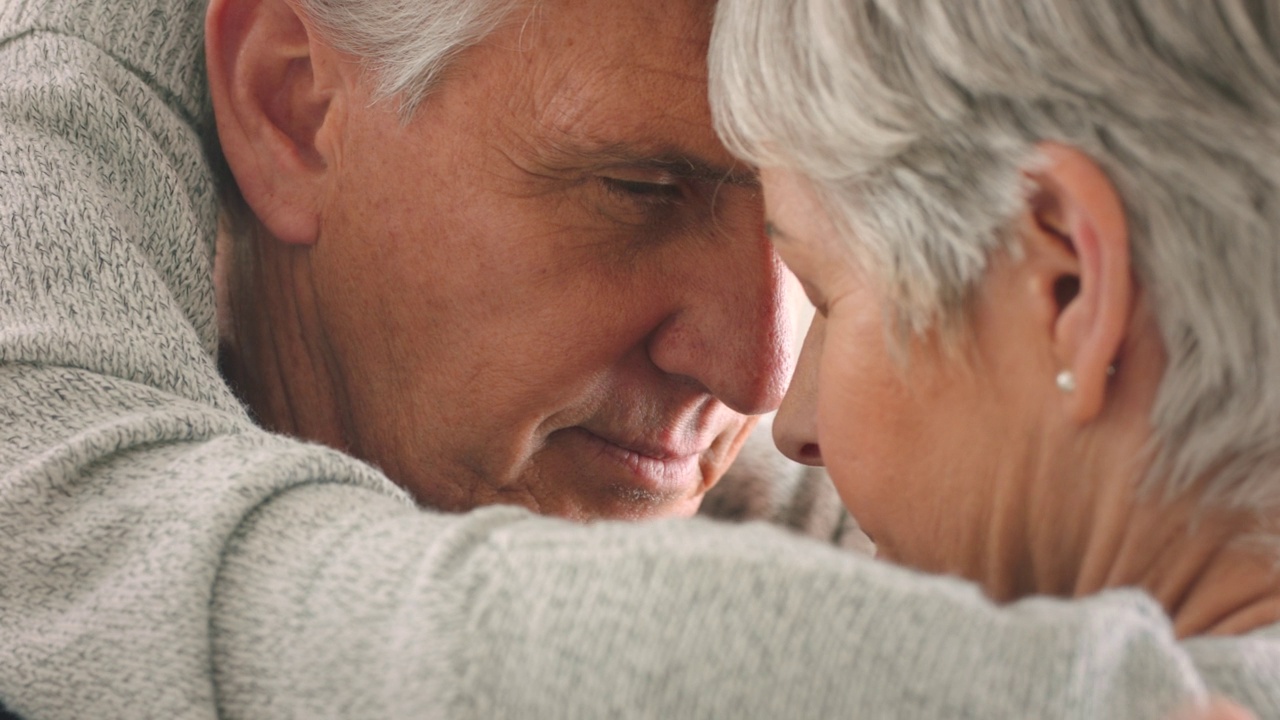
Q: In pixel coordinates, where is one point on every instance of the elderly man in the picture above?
(525, 273)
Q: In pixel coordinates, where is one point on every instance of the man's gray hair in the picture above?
(405, 44)
(915, 120)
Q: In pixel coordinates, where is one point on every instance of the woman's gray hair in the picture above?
(405, 44)
(915, 120)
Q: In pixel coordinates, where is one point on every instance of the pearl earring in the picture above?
(1066, 381)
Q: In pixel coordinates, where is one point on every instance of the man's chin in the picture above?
(634, 508)
(620, 504)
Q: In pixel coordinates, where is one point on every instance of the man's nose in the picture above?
(795, 429)
(733, 330)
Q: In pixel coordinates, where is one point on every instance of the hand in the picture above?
(1217, 709)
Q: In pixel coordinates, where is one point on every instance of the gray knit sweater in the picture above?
(160, 556)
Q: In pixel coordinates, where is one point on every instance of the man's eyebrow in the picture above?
(693, 168)
(677, 163)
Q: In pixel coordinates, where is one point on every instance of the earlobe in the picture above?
(1081, 237)
(274, 98)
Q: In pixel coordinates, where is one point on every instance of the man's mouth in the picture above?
(664, 469)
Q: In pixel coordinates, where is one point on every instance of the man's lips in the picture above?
(661, 468)
(653, 451)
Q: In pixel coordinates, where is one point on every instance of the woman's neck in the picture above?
(1211, 570)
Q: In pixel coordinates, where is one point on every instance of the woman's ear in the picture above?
(276, 95)
(1077, 249)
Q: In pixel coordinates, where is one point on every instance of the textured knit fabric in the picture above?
(162, 557)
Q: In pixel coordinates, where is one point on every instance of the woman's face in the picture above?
(930, 452)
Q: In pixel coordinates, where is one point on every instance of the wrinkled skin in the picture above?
(549, 288)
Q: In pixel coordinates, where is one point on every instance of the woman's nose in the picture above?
(795, 429)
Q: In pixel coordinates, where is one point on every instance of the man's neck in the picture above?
(266, 318)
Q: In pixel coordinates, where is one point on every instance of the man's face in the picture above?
(551, 287)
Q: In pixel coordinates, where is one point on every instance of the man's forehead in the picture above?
(685, 21)
(621, 59)
(581, 84)
(594, 83)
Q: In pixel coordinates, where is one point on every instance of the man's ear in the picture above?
(275, 92)
(1077, 249)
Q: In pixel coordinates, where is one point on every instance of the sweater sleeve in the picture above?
(159, 41)
(326, 612)
(108, 205)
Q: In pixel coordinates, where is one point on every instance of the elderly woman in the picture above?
(1041, 237)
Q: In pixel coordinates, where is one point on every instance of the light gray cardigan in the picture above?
(160, 556)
